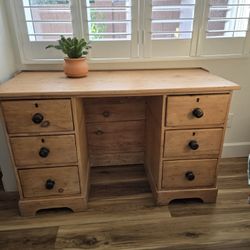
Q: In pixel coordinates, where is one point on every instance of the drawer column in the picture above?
(187, 133)
(47, 139)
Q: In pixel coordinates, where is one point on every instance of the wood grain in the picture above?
(62, 149)
(176, 144)
(114, 109)
(161, 233)
(81, 145)
(174, 174)
(153, 138)
(115, 83)
(114, 139)
(38, 239)
(33, 181)
(18, 116)
(214, 107)
(116, 159)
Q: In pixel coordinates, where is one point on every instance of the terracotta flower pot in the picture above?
(75, 67)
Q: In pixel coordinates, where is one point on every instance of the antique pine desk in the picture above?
(172, 121)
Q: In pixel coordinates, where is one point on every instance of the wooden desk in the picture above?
(172, 121)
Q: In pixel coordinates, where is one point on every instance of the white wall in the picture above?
(7, 69)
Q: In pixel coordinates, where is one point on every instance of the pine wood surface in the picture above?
(115, 83)
(62, 149)
(66, 181)
(110, 141)
(179, 110)
(176, 144)
(114, 109)
(122, 215)
(18, 116)
(203, 170)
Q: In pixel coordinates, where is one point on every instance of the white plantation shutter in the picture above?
(110, 26)
(47, 20)
(41, 22)
(225, 28)
(131, 29)
(169, 27)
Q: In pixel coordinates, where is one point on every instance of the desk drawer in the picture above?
(116, 143)
(193, 110)
(189, 174)
(192, 143)
(49, 181)
(42, 150)
(37, 116)
(114, 109)
(116, 137)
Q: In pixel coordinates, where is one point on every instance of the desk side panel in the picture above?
(154, 139)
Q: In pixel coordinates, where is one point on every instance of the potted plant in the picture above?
(75, 65)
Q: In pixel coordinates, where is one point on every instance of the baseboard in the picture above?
(236, 149)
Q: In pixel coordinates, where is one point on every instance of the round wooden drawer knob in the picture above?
(106, 114)
(99, 132)
(193, 145)
(37, 118)
(44, 152)
(197, 112)
(190, 176)
(50, 184)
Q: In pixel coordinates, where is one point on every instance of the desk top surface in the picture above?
(114, 83)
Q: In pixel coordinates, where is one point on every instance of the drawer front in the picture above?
(41, 150)
(197, 110)
(192, 143)
(35, 116)
(49, 181)
(117, 137)
(114, 109)
(189, 174)
(116, 143)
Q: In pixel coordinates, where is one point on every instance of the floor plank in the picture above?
(161, 232)
(122, 215)
(28, 239)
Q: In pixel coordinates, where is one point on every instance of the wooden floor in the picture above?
(122, 215)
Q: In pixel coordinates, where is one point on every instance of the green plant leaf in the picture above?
(72, 47)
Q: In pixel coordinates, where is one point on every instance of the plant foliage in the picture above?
(72, 47)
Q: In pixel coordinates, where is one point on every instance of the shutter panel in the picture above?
(225, 27)
(169, 30)
(109, 25)
(41, 22)
(47, 20)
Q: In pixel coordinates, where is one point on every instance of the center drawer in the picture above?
(38, 116)
(192, 143)
(114, 109)
(189, 174)
(49, 181)
(40, 150)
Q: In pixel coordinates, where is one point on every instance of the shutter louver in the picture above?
(46, 20)
(172, 19)
(228, 18)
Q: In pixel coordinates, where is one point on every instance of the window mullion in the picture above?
(135, 50)
(76, 14)
(198, 26)
(147, 43)
(246, 49)
(202, 26)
